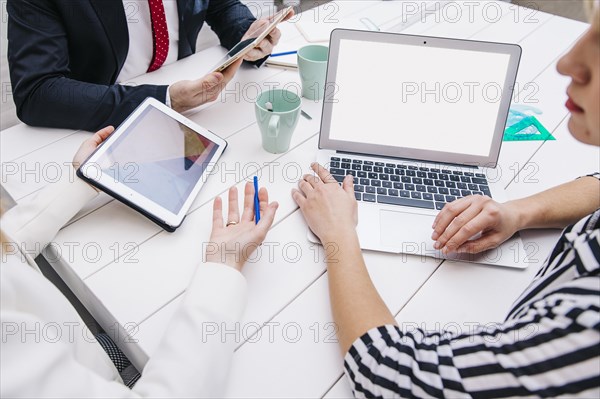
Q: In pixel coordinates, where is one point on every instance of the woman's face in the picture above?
(582, 64)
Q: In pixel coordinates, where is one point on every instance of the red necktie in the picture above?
(160, 33)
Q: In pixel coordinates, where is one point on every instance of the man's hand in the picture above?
(265, 47)
(188, 94)
(90, 146)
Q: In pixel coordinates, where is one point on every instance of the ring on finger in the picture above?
(231, 223)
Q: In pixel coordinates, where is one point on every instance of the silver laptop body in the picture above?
(423, 108)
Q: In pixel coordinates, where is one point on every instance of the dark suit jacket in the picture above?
(65, 56)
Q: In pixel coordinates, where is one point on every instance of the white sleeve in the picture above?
(187, 362)
(194, 356)
(36, 220)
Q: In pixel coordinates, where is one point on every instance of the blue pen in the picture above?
(256, 202)
(282, 54)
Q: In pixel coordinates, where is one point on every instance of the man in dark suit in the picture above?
(67, 57)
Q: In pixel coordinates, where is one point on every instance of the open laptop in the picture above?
(419, 122)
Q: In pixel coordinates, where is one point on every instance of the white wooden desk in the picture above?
(131, 275)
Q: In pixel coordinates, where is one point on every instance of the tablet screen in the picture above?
(159, 158)
(241, 46)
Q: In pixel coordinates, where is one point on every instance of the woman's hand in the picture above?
(329, 210)
(233, 242)
(469, 216)
(90, 146)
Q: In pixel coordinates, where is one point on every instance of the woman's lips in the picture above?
(571, 106)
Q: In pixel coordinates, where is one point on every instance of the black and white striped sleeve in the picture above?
(595, 175)
(552, 349)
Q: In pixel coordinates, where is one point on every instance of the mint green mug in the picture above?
(312, 65)
(277, 114)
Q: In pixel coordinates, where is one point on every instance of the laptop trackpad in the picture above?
(406, 232)
(410, 233)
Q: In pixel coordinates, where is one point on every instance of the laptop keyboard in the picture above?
(407, 185)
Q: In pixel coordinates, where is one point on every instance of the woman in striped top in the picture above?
(562, 357)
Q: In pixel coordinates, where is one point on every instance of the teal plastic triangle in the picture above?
(528, 129)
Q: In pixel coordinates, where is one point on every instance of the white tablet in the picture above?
(155, 162)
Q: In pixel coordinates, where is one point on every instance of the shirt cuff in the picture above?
(168, 97)
(360, 347)
(220, 288)
(36, 219)
(364, 356)
(594, 175)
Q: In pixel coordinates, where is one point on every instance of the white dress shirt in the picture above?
(46, 351)
(141, 41)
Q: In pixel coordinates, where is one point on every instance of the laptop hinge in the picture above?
(408, 159)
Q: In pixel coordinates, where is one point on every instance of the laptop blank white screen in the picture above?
(417, 97)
